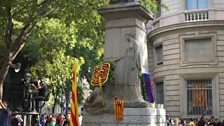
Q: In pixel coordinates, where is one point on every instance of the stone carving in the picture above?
(93, 104)
(131, 84)
(133, 54)
(128, 86)
(94, 101)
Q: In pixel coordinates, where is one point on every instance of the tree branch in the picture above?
(44, 11)
(17, 10)
(9, 28)
(24, 33)
(43, 3)
(19, 42)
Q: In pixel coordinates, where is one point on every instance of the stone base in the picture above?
(132, 117)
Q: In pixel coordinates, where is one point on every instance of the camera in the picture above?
(26, 83)
(26, 79)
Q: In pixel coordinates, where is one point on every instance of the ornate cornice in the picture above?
(126, 10)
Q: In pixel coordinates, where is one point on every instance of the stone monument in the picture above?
(126, 47)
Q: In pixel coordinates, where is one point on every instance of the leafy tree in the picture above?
(57, 34)
(19, 18)
(56, 38)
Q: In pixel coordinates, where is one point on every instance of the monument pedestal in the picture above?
(126, 47)
(132, 117)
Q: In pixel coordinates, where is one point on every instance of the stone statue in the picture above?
(132, 59)
(127, 86)
(131, 83)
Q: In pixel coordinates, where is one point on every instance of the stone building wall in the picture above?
(175, 70)
(178, 12)
(220, 55)
(150, 57)
(218, 4)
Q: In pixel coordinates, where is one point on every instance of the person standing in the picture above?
(61, 119)
(212, 121)
(191, 123)
(42, 120)
(16, 119)
(201, 122)
(4, 114)
(67, 120)
(42, 95)
(168, 120)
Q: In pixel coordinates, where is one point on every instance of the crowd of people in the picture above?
(194, 122)
(8, 118)
(34, 94)
(53, 120)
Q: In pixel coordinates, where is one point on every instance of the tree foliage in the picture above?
(59, 42)
(56, 34)
(153, 5)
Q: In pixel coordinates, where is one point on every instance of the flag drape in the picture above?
(118, 109)
(148, 86)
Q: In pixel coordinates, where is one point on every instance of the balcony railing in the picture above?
(198, 15)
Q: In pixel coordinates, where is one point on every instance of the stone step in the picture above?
(132, 117)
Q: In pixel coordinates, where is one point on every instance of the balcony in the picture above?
(188, 16)
(196, 15)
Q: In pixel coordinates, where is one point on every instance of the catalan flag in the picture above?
(118, 109)
(74, 120)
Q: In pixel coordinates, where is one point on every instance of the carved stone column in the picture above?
(126, 47)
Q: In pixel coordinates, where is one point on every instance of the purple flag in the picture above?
(148, 87)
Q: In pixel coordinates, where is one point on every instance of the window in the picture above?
(196, 50)
(197, 4)
(159, 54)
(159, 93)
(199, 97)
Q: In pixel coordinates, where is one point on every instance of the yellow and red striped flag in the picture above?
(74, 120)
(118, 109)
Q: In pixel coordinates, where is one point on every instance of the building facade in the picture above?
(186, 58)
